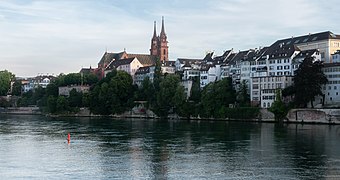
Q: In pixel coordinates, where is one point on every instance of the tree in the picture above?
(243, 97)
(279, 109)
(52, 104)
(75, 99)
(17, 87)
(5, 82)
(308, 81)
(62, 104)
(216, 97)
(165, 100)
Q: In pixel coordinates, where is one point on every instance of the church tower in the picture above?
(163, 44)
(159, 44)
(154, 42)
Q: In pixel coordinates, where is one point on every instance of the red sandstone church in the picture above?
(159, 50)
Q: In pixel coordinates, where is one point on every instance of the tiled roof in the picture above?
(117, 63)
(143, 70)
(168, 63)
(308, 38)
(145, 59)
(281, 50)
(184, 60)
(108, 57)
(86, 70)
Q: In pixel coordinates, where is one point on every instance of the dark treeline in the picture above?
(116, 94)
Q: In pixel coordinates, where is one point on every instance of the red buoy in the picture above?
(68, 138)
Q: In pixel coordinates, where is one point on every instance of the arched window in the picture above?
(164, 51)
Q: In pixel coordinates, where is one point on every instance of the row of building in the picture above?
(263, 69)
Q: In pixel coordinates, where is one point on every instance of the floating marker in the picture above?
(68, 138)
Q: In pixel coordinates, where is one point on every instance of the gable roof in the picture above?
(145, 59)
(108, 57)
(117, 63)
(143, 70)
(309, 38)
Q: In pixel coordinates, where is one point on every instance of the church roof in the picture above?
(145, 59)
(117, 63)
(108, 57)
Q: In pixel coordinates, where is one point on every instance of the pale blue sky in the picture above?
(61, 36)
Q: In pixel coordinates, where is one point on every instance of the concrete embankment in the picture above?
(315, 116)
(21, 110)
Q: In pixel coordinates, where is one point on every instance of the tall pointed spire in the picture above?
(154, 29)
(163, 30)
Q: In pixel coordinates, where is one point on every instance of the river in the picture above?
(35, 147)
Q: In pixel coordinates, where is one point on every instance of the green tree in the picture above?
(17, 87)
(62, 104)
(308, 81)
(5, 82)
(121, 91)
(243, 98)
(165, 100)
(75, 99)
(180, 102)
(216, 97)
(279, 109)
(52, 104)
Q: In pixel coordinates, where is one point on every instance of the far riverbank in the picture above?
(308, 116)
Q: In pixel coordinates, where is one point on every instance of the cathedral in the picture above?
(159, 50)
(159, 44)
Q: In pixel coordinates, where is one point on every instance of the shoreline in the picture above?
(256, 120)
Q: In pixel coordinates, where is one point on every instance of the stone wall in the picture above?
(314, 115)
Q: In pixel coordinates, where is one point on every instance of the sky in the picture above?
(62, 36)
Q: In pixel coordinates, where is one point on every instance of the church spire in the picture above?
(163, 30)
(154, 29)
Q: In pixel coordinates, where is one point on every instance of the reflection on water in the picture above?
(36, 147)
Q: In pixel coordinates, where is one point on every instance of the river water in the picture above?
(35, 147)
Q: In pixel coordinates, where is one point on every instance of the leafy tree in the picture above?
(165, 100)
(52, 104)
(279, 109)
(243, 97)
(17, 87)
(4, 102)
(121, 90)
(52, 90)
(75, 99)
(181, 106)
(5, 82)
(216, 97)
(308, 81)
(90, 79)
(62, 104)
(146, 92)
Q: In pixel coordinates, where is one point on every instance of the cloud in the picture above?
(62, 36)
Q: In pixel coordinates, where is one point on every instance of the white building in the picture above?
(65, 90)
(142, 73)
(129, 65)
(336, 57)
(332, 88)
(326, 42)
(263, 89)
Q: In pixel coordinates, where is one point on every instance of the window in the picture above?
(322, 55)
(264, 105)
